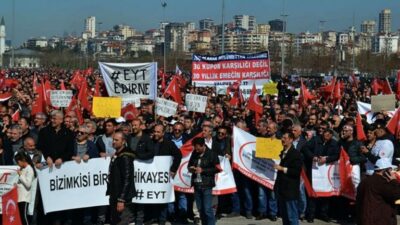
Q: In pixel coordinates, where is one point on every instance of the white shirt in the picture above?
(383, 149)
(208, 142)
(24, 184)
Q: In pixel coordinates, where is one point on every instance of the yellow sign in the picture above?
(270, 88)
(268, 148)
(107, 107)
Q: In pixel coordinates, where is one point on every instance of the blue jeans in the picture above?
(235, 202)
(203, 197)
(182, 205)
(247, 185)
(302, 202)
(289, 212)
(266, 198)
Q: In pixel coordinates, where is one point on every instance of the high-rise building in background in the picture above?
(277, 25)
(176, 37)
(2, 37)
(90, 26)
(206, 24)
(245, 22)
(368, 27)
(385, 21)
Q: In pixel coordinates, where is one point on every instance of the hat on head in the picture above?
(120, 119)
(384, 163)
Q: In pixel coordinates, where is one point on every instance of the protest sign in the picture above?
(130, 79)
(326, 179)
(223, 70)
(383, 103)
(165, 107)
(60, 98)
(268, 148)
(107, 107)
(8, 177)
(270, 88)
(244, 159)
(74, 185)
(131, 100)
(152, 180)
(224, 181)
(196, 103)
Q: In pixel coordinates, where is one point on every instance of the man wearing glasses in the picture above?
(84, 149)
(178, 137)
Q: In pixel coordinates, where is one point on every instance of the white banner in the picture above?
(224, 181)
(60, 98)
(165, 107)
(152, 180)
(8, 177)
(196, 103)
(74, 185)
(128, 80)
(244, 159)
(326, 179)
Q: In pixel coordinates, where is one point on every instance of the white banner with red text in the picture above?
(223, 70)
(244, 159)
(224, 181)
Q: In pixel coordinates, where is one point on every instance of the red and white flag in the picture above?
(173, 90)
(393, 125)
(10, 209)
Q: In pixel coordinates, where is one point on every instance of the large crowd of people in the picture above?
(312, 129)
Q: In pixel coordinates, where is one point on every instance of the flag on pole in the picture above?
(10, 209)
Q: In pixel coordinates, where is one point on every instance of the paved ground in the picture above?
(244, 221)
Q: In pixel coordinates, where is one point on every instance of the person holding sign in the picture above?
(203, 164)
(120, 185)
(288, 181)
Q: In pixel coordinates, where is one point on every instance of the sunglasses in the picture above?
(178, 130)
(81, 133)
(221, 133)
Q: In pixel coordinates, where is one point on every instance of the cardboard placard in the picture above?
(268, 148)
(107, 107)
(60, 98)
(383, 103)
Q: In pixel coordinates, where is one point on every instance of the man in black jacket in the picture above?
(322, 150)
(165, 147)
(288, 181)
(120, 186)
(56, 141)
(203, 164)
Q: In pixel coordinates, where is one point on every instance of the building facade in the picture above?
(385, 21)
(90, 26)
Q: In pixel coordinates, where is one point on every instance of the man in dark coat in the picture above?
(120, 186)
(165, 147)
(288, 181)
(376, 196)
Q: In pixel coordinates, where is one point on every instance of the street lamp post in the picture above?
(164, 5)
(223, 28)
(283, 45)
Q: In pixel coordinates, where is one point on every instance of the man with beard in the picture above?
(165, 147)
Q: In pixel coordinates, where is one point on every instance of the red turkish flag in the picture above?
(187, 148)
(360, 129)
(15, 116)
(386, 88)
(174, 90)
(97, 88)
(254, 102)
(62, 86)
(347, 188)
(9, 203)
(76, 78)
(83, 95)
(393, 125)
(376, 87)
(46, 92)
(129, 112)
(305, 94)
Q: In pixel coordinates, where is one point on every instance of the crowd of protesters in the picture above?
(313, 129)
